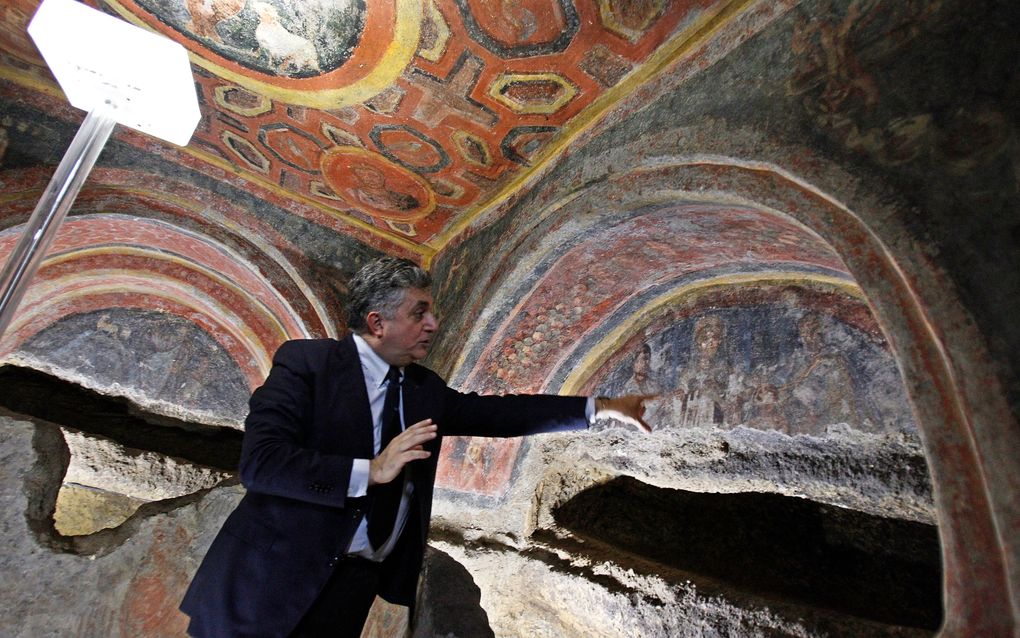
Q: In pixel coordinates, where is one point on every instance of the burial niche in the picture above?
(121, 456)
(770, 546)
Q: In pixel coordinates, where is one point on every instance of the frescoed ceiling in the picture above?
(330, 132)
(398, 121)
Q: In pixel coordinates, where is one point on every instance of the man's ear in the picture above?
(374, 320)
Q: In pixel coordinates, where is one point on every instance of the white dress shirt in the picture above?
(375, 370)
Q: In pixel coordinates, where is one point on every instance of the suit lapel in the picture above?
(349, 414)
(409, 396)
(414, 407)
(416, 403)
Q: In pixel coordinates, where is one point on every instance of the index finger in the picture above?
(413, 436)
(419, 425)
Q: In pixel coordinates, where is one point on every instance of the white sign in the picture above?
(137, 78)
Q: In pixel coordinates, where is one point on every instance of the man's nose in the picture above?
(431, 322)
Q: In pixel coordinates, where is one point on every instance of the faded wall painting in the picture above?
(276, 38)
(765, 365)
(159, 356)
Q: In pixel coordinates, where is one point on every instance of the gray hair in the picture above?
(379, 287)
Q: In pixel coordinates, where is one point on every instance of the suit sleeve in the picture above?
(511, 415)
(274, 459)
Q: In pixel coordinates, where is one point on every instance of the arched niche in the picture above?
(961, 413)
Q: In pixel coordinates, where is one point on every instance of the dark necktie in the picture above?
(386, 497)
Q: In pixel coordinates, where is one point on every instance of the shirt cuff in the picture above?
(589, 410)
(359, 478)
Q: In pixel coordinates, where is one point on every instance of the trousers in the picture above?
(342, 606)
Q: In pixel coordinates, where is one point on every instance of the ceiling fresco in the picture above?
(401, 119)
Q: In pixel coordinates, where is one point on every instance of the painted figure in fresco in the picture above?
(476, 460)
(289, 52)
(375, 193)
(704, 384)
(765, 411)
(641, 381)
(206, 15)
(288, 39)
(644, 381)
(114, 358)
(339, 461)
(821, 391)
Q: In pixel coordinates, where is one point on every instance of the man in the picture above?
(337, 511)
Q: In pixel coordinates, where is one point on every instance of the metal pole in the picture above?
(56, 200)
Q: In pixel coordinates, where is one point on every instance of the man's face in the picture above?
(406, 336)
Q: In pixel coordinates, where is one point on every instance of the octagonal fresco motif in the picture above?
(466, 95)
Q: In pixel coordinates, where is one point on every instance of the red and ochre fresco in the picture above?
(111, 262)
(582, 289)
(108, 257)
(451, 100)
(579, 295)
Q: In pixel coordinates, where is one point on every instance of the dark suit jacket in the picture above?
(307, 424)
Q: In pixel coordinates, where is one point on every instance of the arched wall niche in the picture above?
(110, 261)
(206, 213)
(558, 305)
(963, 418)
(963, 449)
(157, 244)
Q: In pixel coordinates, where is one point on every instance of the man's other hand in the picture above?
(404, 448)
(629, 409)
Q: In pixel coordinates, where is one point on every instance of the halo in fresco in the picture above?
(376, 186)
(320, 53)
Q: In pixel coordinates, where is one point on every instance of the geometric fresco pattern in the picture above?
(442, 104)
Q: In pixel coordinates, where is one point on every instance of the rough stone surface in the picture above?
(102, 463)
(83, 510)
(880, 475)
(121, 582)
(557, 594)
(539, 578)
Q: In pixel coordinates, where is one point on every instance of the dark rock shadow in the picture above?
(44, 396)
(451, 602)
(49, 403)
(775, 547)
